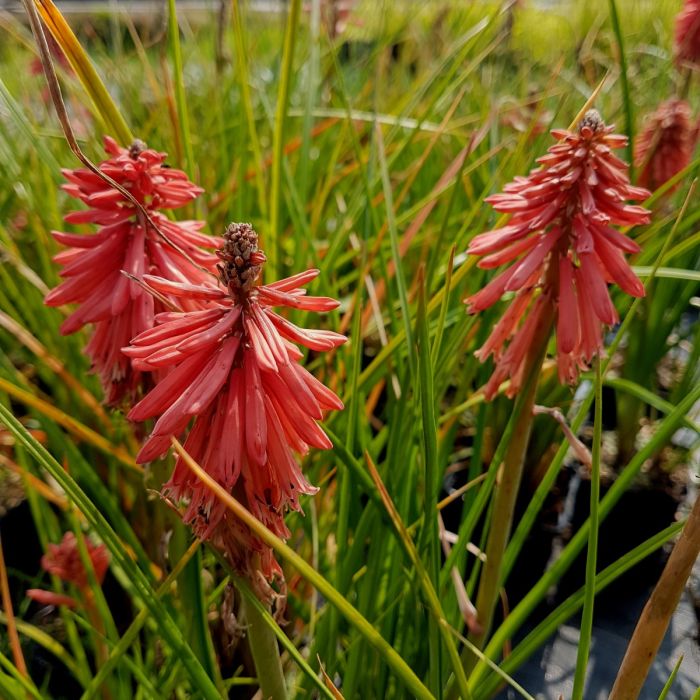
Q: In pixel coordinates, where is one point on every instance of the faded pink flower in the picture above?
(63, 560)
(687, 33)
(92, 267)
(666, 143)
(235, 373)
(564, 251)
(336, 15)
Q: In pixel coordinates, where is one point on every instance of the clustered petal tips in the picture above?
(666, 143)
(235, 372)
(93, 265)
(687, 33)
(562, 249)
(63, 560)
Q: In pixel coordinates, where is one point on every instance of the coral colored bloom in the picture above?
(235, 370)
(63, 560)
(687, 33)
(665, 145)
(561, 250)
(92, 267)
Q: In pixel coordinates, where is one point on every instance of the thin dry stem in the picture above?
(655, 617)
(12, 634)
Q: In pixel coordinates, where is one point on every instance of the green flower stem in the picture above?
(507, 488)
(584, 645)
(402, 670)
(263, 646)
(653, 622)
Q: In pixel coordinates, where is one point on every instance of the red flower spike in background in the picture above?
(666, 143)
(563, 251)
(687, 33)
(234, 369)
(92, 267)
(63, 560)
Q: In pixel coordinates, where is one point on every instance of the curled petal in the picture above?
(51, 598)
(274, 297)
(182, 289)
(289, 284)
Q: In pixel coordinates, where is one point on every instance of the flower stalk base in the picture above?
(263, 646)
(508, 485)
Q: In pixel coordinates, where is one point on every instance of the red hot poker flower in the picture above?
(92, 267)
(63, 560)
(687, 33)
(235, 370)
(563, 251)
(666, 143)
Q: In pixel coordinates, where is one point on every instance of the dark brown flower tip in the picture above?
(591, 121)
(242, 261)
(137, 148)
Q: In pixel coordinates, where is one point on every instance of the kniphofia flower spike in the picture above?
(92, 267)
(63, 560)
(687, 33)
(235, 369)
(666, 143)
(562, 250)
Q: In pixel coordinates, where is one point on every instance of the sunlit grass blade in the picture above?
(624, 79)
(55, 365)
(403, 672)
(84, 69)
(273, 240)
(242, 74)
(650, 398)
(82, 432)
(180, 95)
(427, 587)
(669, 683)
(429, 539)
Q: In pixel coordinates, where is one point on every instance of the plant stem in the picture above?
(263, 646)
(394, 660)
(653, 622)
(509, 483)
(12, 635)
(101, 649)
(592, 552)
